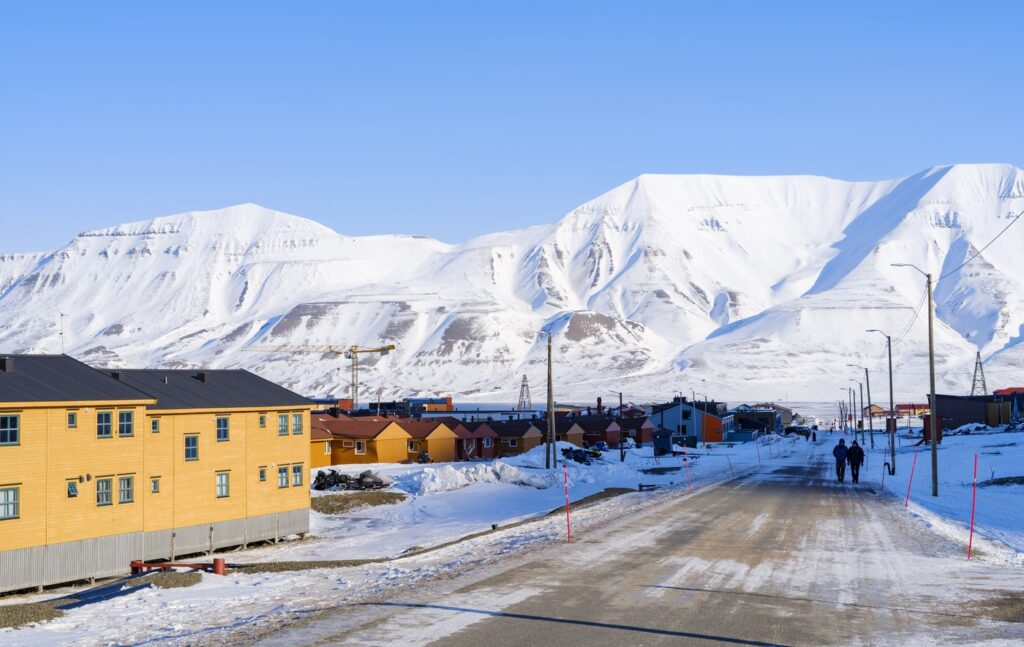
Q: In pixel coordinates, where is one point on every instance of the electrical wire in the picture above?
(978, 253)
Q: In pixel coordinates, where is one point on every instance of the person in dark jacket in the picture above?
(855, 456)
(840, 455)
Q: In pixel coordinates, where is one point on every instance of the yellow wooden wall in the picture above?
(50, 454)
(318, 457)
(389, 446)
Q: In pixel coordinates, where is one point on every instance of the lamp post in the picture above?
(933, 417)
(871, 422)
(890, 419)
(860, 385)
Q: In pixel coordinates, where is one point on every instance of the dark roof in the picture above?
(594, 423)
(480, 429)
(364, 428)
(632, 423)
(562, 424)
(512, 428)
(222, 389)
(59, 378)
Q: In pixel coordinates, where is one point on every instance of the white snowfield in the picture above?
(760, 286)
(447, 502)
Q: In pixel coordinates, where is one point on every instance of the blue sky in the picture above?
(456, 119)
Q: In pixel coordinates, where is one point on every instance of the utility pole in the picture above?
(550, 453)
(62, 333)
(861, 385)
(890, 418)
(933, 417)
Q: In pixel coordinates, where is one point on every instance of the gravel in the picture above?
(16, 615)
(175, 580)
(342, 503)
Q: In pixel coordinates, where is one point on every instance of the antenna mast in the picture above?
(978, 386)
(524, 396)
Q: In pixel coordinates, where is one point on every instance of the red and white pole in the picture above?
(911, 481)
(974, 498)
(568, 524)
(686, 461)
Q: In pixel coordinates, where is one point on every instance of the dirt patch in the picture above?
(1008, 606)
(342, 503)
(285, 567)
(586, 501)
(17, 615)
(1004, 480)
(175, 580)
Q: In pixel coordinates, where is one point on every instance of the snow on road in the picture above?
(436, 512)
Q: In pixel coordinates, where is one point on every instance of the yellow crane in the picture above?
(350, 352)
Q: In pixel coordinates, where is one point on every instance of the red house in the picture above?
(599, 428)
(486, 438)
(641, 430)
(466, 445)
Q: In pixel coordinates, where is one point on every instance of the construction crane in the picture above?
(350, 352)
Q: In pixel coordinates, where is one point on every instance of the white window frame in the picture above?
(154, 485)
(16, 430)
(348, 444)
(72, 419)
(10, 502)
(282, 424)
(222, 484)
(297, 477)
(154, 425)
(487, 442)
(361, 447)
(262, 473)
(327, 448)
(297, 429)
(513, 442)
(108, 500)
(121, 489)
(414, 446)
(282, 471)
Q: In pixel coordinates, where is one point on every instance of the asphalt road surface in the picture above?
(783, 557)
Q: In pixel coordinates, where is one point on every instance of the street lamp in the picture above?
(890, 420)
(860, 385)
(932, 419)
(871, 421)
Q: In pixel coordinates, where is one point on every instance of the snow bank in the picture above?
(447, 478)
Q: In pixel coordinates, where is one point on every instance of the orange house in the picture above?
(435, 437)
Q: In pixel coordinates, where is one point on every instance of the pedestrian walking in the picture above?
(855, 456)
(839, 452)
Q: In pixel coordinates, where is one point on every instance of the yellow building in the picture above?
(98, 469)
(362, 440)
(435, 437)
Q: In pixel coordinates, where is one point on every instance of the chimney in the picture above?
(7, 364)
(201, 376)
(600, 407)
(116, 375)
(164, 379)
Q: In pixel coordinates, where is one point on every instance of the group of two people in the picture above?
(853, 455)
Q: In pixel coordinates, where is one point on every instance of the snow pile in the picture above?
(447, 478)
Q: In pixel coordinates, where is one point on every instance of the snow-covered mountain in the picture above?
(733, 287)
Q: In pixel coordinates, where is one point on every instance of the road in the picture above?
(785, 556)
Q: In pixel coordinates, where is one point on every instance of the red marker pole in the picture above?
(909, 483)
(568, 525)
(686, 461)
(974, 498)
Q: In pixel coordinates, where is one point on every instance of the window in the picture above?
(125, 423)
(348, 443)
(9, 434)
(191, 448)
(263, 474)
(282, 425)
(72, 420)
(327, 448)
(282, 476)
(296, 423)
(413, 446)
(104, 490)
(360, 446)
(9, 503)
(104, 427)
(154, 485)
(513, 442)
(125, 489)
(487, 441)
(72, 489)
(154, 425)
(297, 475)
(222, 429)
(263, 421)
(223, 484)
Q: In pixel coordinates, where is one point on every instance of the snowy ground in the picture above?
(446, 502)
(999, 521)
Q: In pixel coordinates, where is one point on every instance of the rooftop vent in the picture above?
(164, 379)
(7, 364)
(201, 376)
(116, 375)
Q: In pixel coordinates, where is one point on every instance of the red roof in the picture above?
(419, 428)
(361, 428)
(1010, 391)
(480, 429)
(455, 425)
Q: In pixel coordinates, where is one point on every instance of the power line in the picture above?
(978, 253)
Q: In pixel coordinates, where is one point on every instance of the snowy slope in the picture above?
(747, 287)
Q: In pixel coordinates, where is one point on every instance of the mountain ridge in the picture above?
(749, 285)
